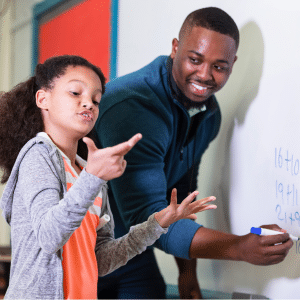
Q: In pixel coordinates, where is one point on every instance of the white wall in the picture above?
(268, 62)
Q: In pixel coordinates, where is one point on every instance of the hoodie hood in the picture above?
(8, 193)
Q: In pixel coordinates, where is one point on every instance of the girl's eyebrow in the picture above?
(78, 80)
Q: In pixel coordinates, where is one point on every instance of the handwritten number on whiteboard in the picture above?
(278, 158)
(292, 164)
(278, 210)
(297, 217)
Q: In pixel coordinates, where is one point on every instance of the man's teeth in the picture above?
(199, 87)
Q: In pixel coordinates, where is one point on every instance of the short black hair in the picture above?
(212, 18)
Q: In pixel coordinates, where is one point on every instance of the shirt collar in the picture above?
(80, 161)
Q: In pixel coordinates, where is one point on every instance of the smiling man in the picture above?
(171, 102)
(202, 61)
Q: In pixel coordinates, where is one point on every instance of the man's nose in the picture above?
(204, 72)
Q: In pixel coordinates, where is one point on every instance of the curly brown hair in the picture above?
(21, 119)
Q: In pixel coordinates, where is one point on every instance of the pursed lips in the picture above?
(87, 115)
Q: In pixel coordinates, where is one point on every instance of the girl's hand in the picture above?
(108, 163)
(185, 210)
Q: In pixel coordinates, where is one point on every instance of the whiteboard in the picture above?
(263, 161)
(253, 165)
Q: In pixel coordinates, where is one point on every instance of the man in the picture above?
(171, 102)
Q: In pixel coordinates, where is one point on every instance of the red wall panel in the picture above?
(82, 30)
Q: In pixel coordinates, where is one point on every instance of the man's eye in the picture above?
(75, 93)
(219, 68)
(96, 103)
(194, 60)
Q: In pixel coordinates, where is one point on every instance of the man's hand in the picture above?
(251, 248)
(108, 163)
(185, 210)
(266, 250)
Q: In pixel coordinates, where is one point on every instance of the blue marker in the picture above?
(264, 231)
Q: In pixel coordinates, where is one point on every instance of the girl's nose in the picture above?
(88, 104)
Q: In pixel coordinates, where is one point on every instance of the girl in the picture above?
(54, 200)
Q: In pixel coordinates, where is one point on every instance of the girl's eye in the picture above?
(96, 103)
(75, 93)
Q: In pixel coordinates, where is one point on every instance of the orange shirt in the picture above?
(79, 259)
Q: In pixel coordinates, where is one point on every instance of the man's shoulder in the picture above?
(148, 84)
(156, 66)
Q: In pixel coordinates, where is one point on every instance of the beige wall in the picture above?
(5, 76)
(15, 57)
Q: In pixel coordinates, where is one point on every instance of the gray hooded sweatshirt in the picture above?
(43, 215)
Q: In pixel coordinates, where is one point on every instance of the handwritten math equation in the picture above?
(286, 161)
(287, 206)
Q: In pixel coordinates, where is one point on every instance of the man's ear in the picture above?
(41, 99)
(174, 47)
(235, 59)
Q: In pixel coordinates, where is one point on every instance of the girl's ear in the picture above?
(41, 99)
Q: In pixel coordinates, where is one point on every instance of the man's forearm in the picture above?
(251, 248)
(186, 265)
(209, 243)
(187, 281)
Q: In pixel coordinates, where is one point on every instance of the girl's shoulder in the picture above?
(34, 165)
(34, 148)
(38, 156)
(41, 152)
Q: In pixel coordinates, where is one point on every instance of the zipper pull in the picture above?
(181, 154)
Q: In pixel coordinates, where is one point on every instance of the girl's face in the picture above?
(71, 106)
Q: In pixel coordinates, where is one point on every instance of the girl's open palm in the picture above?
(186, 210)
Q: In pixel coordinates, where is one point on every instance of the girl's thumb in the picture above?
(90, 144)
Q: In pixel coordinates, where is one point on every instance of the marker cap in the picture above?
(256, 230)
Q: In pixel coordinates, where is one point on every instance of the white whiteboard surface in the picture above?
(260, 123)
